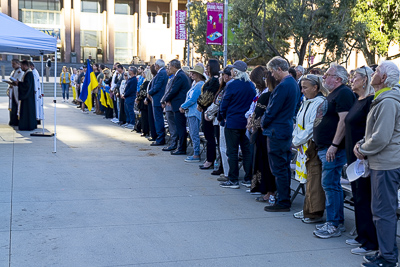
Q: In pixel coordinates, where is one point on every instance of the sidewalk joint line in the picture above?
(11, 198)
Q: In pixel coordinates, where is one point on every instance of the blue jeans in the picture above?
(129, 112)
(194, 129)
(65, 90)
(331, 173)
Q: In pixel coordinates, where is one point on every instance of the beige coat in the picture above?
(382, 135)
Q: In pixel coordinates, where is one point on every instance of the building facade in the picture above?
(104, 30)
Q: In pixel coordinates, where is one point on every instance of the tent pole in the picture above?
(41, 93)
(55, 102)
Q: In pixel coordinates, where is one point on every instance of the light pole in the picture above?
(188, 5)
(225, 32)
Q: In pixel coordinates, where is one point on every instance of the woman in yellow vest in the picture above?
(65, 81)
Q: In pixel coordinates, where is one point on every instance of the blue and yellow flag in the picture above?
(89, 83)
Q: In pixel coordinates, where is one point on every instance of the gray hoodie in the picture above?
(382, 135)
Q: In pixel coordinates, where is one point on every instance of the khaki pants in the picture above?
(314, 202)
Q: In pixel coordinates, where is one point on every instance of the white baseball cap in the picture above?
(355, 170)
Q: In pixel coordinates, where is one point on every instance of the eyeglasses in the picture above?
(328, 75)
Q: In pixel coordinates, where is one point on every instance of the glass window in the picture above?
(90, 38)
(39, 18)
(124, 7)
(40, 4)
(91, 6)
(26, 16)
(51, 18)
(123, 39)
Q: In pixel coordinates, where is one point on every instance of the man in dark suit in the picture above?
(175, 98)
(156, 92)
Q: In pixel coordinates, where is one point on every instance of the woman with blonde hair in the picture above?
(308, 165)
(65, 82)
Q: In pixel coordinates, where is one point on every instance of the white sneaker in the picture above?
(362, 251)
(124, 125)
(352, 242)
(299, 215)
(129, 126)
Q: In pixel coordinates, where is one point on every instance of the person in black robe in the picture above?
(26, 96)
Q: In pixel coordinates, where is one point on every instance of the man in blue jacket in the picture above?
(278, 127)
(235, 103)
(130, 96)
(156, 92)
(180, 85)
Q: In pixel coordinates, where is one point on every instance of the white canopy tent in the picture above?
(20, 39)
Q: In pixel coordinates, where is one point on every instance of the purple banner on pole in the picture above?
(180, 21)
(215, 23)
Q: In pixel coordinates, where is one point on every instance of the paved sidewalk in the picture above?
(107, 198)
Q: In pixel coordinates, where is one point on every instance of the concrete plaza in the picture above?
(107, 198)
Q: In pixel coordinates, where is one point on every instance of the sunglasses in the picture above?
(365, 69)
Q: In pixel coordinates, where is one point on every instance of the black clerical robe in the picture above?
(27, 111)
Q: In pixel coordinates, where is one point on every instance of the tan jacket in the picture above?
(382, 135)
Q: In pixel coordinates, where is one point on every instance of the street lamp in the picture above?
(188, 5)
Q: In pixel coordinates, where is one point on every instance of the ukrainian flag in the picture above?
(89, 84)
(105, 98)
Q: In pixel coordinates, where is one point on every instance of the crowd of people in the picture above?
(258, 120)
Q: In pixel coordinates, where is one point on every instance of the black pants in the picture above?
(180, 122)
(13, 113)
(266, 182)
(208, 129)
(234, 138)
(366, 230)
(116, 109)
(122, 115)
(152, 124)
(279, 156)
(144, 120)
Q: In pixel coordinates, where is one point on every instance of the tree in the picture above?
(323, 22)
(265, 28)
(271, 23)
(376, 26)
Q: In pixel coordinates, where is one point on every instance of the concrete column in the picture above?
(4, 7)
(77, 30)
(111, 33)
(135, 31)
(142, 32)
(172, 8)
(66, 44)
(14, 9)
